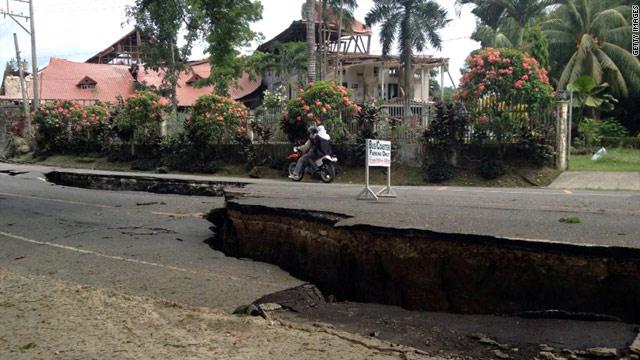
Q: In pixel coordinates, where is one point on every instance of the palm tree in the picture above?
(591, 37)
(414, 23)
(523, 12)
(492, 29)
(503, 22)
(311, 40)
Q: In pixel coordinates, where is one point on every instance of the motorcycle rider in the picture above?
(315, 148)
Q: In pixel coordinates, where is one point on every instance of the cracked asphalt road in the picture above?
(138, 243)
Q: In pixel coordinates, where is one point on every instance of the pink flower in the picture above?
(318, 103)
(310, 115)
(519, 84)
(306, 108)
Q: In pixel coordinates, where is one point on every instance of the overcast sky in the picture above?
(77, 29)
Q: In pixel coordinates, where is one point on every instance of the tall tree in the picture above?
(592, 37)
(311, 40)
(223, 24)
(161, 24)
(414, 23)
(503, 23)
(523, 12)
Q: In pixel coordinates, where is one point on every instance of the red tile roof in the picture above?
(60, 78)
(187, 94)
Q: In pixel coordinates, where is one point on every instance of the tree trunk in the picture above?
(320, 37)
(520, 37)
(311, 42)
(408, 79)
(338, 51)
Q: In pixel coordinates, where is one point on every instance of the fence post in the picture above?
(562, 148)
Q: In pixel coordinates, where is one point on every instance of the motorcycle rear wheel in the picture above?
(327, 173)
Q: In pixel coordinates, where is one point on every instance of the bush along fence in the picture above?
(493, 119)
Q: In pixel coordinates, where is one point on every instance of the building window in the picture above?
(87, 83)
(354, 86)
(345, 84)
(193, 79)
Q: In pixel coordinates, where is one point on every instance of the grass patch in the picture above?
(400, 174)
(79, 162)
(570, 220)
(613, 160)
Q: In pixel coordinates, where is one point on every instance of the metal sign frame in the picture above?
(367, 193)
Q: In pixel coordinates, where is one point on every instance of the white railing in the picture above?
(420, 113)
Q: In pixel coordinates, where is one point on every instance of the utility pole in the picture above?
(32, 33)
(23, 87)
(34, 60)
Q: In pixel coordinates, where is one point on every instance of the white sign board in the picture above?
(378, 153)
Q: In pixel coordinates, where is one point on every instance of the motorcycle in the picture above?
(324, 168)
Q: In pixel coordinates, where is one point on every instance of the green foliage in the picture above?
(224, 25)
(413, 24)
(320, 103)
(504, 23)
(504, 90)
(612, 128)
(140, 117)
(570, 220)
(535, 147)
(285, 59)
(214, 119)
(592, 131)
(438, 172)
(592, 37)
(64, 126)
(276, 99)
(178, 154)
(590, 96)
(492, 169)
(588, 131)
(536, 44)
(449, 127)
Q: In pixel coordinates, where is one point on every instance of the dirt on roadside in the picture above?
(41, 318)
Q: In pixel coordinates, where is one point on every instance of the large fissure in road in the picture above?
(142, 183)
(425, 270)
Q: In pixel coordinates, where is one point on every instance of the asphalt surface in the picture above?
(607, 218)
(154, 245)
(137, 243)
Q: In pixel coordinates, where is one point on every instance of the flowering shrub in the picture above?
(504, 89)
(63, 125)
(214, 119)
(276, 99)
(140, 117)
(321, 103)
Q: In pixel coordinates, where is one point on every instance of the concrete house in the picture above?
(349, 61)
